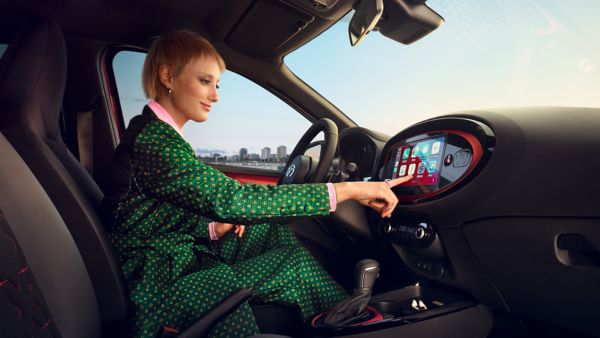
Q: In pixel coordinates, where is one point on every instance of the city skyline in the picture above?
(281, 151)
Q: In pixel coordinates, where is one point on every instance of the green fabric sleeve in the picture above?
(166, 168)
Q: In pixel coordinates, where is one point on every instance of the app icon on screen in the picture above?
(402, 170)
(415, 152)
(411, 168)
(425, 149)
(421, 168)
(432, 165)
(405, 153)
(435, 148)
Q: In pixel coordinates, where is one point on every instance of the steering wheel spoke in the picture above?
(303, 169)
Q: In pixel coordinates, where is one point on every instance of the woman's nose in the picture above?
(213, 95)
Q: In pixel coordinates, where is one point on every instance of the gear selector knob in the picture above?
(352, 309)
(365, 273)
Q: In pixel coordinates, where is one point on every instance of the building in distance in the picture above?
(243, 154)
(281, 152)
(265, 153)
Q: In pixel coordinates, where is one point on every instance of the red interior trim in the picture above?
(170, 329)
(253, 179)
(377, 316)
(111, 101)
(313, 322)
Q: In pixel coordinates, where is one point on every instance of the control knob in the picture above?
(420, 233)
(388, 228)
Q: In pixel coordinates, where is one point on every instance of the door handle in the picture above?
(577, 250)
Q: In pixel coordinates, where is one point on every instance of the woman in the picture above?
(177, 263)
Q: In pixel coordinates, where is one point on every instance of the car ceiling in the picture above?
(242, 27)
(253, 36)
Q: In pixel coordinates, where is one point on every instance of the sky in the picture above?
(488, 53)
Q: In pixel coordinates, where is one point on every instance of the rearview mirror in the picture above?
(364, 20)
(407, 21)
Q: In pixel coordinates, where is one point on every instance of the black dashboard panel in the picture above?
(360, 149)
(521, 230)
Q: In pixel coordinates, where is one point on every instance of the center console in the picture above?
(442, 155)
(416, 311)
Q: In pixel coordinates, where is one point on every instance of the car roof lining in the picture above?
(218, 20)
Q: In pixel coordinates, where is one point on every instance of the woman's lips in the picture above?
(206, 106)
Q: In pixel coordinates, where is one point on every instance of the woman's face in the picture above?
(195, 90)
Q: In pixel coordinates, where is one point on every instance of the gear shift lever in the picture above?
(365, 273)
(352, 309)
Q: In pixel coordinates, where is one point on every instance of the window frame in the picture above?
(113, 102)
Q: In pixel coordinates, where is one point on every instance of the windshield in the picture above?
(492, 53)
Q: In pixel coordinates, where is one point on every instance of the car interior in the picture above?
(491, 237)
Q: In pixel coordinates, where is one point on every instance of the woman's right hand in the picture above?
(377, 195)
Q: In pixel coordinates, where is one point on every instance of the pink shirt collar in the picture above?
(163, 115)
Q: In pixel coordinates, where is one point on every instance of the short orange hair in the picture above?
(175, 49)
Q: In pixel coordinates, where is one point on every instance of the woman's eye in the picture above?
(204, 81)
(218, 86)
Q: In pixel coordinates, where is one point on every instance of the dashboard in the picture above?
(499, 202)
(438, 155)
(359, 151)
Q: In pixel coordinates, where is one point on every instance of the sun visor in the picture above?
(267, 26)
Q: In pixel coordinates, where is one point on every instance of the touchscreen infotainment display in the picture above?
(421, 158)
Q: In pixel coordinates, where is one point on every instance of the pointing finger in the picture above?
(399, 180)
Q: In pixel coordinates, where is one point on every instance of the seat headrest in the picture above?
(33, 72)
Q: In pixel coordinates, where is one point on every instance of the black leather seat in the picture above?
(45, 289)
(32, 82)
(33, 74)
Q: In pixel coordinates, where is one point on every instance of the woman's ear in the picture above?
(165, 76)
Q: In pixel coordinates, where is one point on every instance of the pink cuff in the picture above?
(332, 197)
(212, 232)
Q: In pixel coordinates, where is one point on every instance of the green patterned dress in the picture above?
(175, 273)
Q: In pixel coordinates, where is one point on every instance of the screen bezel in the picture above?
(463, 133)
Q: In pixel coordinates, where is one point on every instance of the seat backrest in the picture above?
(32, 83)
(45, 289)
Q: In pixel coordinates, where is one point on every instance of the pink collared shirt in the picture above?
(164, 116)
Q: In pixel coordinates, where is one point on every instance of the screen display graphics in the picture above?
(422, 159)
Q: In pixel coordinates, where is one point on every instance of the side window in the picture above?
(248, 127)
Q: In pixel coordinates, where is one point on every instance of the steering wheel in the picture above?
(304, 169)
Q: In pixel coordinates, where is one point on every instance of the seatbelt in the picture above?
(85, 137)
